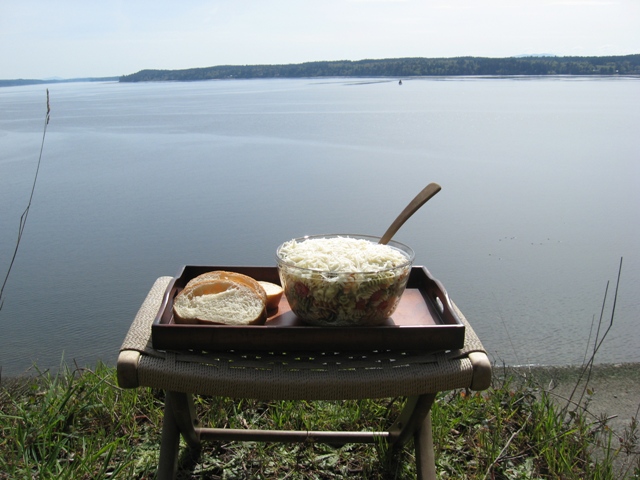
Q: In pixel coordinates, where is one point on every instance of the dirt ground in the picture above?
(613, 393)
(613, 390)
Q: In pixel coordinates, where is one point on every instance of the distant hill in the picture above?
(406, 67)
(29, 81)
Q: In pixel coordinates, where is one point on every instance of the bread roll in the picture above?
(221, 298)
(274, 294)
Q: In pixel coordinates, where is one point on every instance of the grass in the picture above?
(78, 424)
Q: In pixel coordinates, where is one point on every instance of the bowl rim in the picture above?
(399, 246)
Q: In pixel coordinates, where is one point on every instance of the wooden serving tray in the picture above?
(423, 321)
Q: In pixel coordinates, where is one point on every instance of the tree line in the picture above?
(406, 67)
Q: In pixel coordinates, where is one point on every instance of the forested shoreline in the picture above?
(621, 65)
(405, 68)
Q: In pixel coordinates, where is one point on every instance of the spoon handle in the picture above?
(419, 200)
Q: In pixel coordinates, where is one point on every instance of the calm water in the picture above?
(540, 199)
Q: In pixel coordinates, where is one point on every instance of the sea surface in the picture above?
(540, 200)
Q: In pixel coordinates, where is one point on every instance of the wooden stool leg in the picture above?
(425, 457)
(184, 413)
(415, 421)
(169, 445)
(179, 418)
(411, 418)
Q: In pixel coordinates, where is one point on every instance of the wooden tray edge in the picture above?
(169, 336)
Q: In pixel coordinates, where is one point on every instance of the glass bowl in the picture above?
(343, 279)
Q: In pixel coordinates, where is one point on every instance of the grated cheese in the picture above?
(341, 254)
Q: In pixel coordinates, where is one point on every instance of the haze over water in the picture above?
(539, 199)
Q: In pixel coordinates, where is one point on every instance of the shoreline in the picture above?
(610, 391)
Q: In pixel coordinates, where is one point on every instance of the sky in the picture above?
(42, 39)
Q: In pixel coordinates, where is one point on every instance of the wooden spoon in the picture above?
(420, 199)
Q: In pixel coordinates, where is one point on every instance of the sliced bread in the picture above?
(220, 300)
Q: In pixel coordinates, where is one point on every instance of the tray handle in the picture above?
(164, 313)
(435, 293)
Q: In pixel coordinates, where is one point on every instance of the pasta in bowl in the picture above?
(343, 280)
